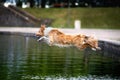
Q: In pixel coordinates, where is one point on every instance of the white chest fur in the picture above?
(47, 30)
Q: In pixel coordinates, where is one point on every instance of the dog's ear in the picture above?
(43, 26)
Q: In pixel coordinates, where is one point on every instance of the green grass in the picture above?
(105, 18)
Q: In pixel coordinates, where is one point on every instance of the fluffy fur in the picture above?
(58, 38)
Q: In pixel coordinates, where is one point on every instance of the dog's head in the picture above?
(40, 33)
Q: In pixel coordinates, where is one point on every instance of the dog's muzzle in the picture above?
(37, 36)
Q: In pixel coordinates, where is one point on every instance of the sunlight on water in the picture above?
(89, 77)
(23, 58)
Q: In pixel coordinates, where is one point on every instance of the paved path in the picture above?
(104, 34)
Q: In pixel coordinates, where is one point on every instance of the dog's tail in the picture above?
(92, 42)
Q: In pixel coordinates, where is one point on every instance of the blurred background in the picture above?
(61, 13)
(62, 3)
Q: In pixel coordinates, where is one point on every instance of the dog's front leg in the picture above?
(41, 38)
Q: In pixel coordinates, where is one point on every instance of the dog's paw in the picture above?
(98, 48)
(39, 40)
(94, 49)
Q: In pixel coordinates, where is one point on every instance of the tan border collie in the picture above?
(55, 37)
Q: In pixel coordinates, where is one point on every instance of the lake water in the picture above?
(23, 58)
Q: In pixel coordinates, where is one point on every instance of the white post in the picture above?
(77, 24)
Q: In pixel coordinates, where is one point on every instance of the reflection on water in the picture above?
(23, 58)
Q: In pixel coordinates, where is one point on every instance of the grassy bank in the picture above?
(106, 18)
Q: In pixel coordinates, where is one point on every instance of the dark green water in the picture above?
(23, 58)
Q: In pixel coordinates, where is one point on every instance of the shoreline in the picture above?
(101, 34)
